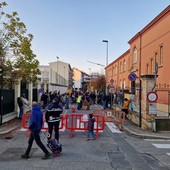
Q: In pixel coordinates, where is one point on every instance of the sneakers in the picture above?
(25, 156)
(46, 156)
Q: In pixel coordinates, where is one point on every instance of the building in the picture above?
(58, 76)
(148, 55)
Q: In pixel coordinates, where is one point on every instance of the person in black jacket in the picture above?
(53, 118)
(21, 107)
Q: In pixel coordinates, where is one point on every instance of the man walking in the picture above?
(36, 121)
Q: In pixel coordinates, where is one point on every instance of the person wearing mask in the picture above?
(35, 126)
(53, 118)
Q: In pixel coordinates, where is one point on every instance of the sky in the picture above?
(73, 30)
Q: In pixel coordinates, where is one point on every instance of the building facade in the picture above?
(148, 54)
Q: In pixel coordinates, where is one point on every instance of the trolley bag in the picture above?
(53, 145)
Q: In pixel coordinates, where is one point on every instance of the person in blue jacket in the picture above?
(53, 118)
(36, 121)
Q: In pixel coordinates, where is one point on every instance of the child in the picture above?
(126, 107)
(90, 126)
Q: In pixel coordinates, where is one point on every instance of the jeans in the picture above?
(104, 104)
(21, 111)
(92, 133)
(56, 129)
(35, 134)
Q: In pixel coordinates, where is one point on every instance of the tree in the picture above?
(16, 57)
(101, 83)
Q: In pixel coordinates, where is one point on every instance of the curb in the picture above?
(9, 130)
(144, 136)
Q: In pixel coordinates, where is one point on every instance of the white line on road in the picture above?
(113, 128)
(157, 140)
(161, 146)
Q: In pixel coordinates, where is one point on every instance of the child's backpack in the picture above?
(55, 146)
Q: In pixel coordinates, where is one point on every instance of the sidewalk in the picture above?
(129, 127)
(135, 130)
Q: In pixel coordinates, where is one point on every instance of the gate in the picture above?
(35, 95)
(8, 102)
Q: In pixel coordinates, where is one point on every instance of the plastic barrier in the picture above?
(79, 122)
(26, 121)
(115, 116)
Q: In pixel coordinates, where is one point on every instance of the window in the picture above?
(156, 57)
(135, 55)
(115, 69)
(120, 67)
(152, 66)
(121, 84)
(161, 55)
(124, 65)
(124, 84)
(147, 69)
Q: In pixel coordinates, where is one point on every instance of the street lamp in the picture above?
(106, 41)
(90, 80)
(1, 99)
(57, 70)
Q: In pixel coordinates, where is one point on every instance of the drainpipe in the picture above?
(140, 83)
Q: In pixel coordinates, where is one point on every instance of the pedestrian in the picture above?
(36, 121)
(21, 107)
(26, 104)
(90, 127)
(79, 101)
(44, 100)
(126, 107)
(53, 118)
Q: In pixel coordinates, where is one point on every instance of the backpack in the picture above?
(54, 145)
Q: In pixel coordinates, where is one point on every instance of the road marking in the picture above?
(113, 128)
(161, 146)
(157, 140)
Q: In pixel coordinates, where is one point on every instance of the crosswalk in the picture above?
(162, 144)
(113, 128)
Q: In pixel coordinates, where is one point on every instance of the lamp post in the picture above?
(1, 99)
(57, 70)
(64, 76)
(106, 41)
(90, 79)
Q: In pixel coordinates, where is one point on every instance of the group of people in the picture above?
(53, 113)
(53, 116)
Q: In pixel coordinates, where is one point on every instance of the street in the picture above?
(112, 150)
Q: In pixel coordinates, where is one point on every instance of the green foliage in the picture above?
(17, 58)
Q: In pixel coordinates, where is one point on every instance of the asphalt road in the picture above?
(112, 150)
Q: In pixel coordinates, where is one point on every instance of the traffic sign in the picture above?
(152, 97)
(132, 77)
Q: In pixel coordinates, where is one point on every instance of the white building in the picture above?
(55, 77)
(81, 80)
(60, 77)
